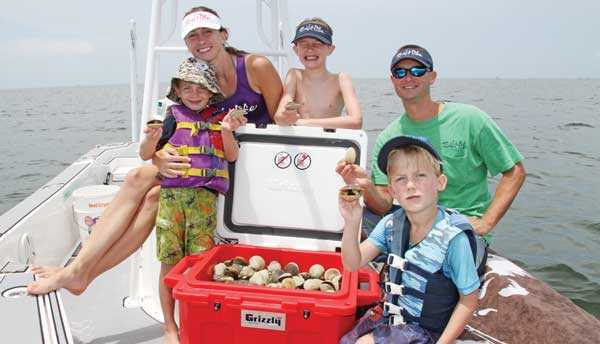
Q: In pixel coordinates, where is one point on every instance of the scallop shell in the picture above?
(225, 279)
(312, 284)
(257, 263)
(331, 273)
(233, 271)
(275, 275)
(284, 276)
(288, 283)
(316, 271)
(304, 275)
(240, 260)
(154, 123)
(327, 286)
(219, 269)
(351, 193)
(350, 156)
(274, 265)
(260, 277)
(298, 280)
(292, 268)
(238, 112)
(337, 280)
(246, 272)
(293, 106)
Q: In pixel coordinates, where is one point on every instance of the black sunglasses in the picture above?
(416, 71)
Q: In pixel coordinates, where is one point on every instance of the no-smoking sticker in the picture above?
(302, 161)
(283, 160)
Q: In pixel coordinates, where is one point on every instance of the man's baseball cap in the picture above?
(314, 30)
(404, 141)
(413, 52)
(199, 19)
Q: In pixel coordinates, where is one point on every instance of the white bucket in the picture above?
(88, 204)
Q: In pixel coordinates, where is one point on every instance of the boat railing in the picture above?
(275, 37)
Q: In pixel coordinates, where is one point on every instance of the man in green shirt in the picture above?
(470, 143)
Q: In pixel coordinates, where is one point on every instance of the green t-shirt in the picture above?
(470, 144)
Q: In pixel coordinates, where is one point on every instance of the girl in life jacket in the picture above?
(432, 255)
(186, 218)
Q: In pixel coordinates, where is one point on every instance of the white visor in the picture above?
(199, 19)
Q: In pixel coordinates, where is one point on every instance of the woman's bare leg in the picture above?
(134, 236)
(114, 222)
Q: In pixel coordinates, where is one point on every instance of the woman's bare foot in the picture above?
(66, 278)
(171, 336)
(45, 271)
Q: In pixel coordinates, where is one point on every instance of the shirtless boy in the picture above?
(313, 96)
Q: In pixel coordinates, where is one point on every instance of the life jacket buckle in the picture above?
(396, 261)
(396, 320)
(394, 289)
(390, 308)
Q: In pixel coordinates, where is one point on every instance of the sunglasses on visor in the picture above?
(416, 71)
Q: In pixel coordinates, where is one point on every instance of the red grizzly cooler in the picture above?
(282, 205)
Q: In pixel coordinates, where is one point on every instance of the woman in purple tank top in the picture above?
(248, 81)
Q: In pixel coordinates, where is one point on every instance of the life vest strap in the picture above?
(195, 127)
(187, 150)
(205, 172)
(396, 261)
(394, 289)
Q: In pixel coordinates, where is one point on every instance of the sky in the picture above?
(74, 42)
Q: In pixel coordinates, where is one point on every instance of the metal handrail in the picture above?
(135, 121)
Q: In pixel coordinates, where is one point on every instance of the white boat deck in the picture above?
(98, 316)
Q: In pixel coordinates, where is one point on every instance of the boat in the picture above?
(122, 305)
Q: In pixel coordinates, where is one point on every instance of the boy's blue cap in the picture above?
(313, 30)
(404, 141)
(413, 52)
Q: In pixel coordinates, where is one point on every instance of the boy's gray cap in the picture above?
(314, 30)
(404, 141)
(413, 52)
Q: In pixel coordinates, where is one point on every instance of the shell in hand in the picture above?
(350, 156)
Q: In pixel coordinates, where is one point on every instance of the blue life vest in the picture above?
(426, 285)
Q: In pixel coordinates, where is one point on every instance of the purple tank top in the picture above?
(246, 98)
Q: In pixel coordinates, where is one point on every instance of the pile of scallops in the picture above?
(254, 271)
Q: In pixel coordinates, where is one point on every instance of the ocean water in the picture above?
(552, 228)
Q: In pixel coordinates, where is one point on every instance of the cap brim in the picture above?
(320, 38)
(422, 61)
(211, 26)
(399, 142)
(171, 95)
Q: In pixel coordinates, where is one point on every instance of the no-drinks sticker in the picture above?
(302, 161)
(283, 160)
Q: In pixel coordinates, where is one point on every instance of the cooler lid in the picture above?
(284, 188)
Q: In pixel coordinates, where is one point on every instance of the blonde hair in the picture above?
(315, 20)
(415, 156)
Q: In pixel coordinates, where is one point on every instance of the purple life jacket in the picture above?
(198, 135)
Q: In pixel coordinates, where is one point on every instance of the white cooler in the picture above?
(88, 204)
